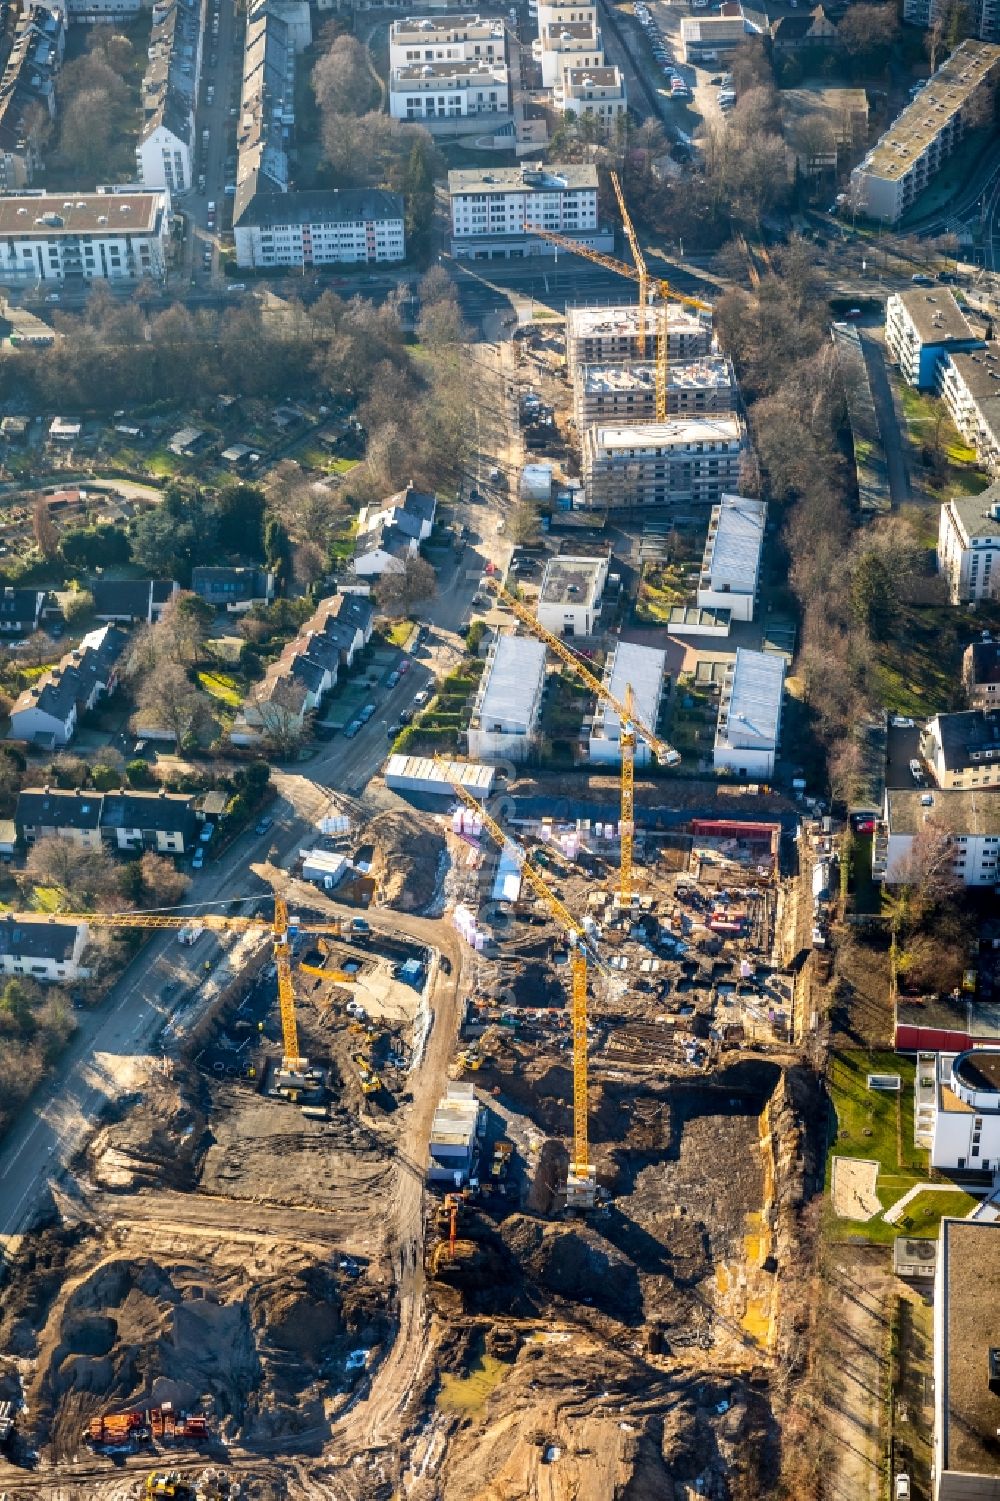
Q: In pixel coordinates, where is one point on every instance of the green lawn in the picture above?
(221, 686)
(47, 898)
(924, 1213)
(917, 670)
(661, 588)
(399, 632)
(923, 413)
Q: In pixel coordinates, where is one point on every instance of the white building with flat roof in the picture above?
(970, 388)
(968, 548)
(687, 460)
(627, 393)
(610, 335)
(969, 816)
(746, 737)
(495, 209)
(568, 44)
(508, 703)
(642, 669)
(922, 326)
(83, 237)
(446, 38)
(918, 143)
(434, 93)
(596, 91)
(966, 1464)
(453, 1135)
(966, 1130)
(425, 774)
(730, 569)
(569, 601)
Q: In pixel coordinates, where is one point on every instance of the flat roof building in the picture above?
(640, 668)
(971, 817)
(967, 1361)
(686, 461)
(569, 601)
(970, 388)
(434, 93)
(711, 34)
(610, 335)
(746, 737)
(508, 702)
(82, 237)
(919, 142)
(627, 393)
(968, 548)
(597, 92)
(963, 749)
(922, 326)
(453, 1135)
(493, 210)
(730, 569)
(425, 774)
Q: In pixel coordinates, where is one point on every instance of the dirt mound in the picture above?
(406, 861)
(153, 1142)
(574, 1261)
(301, 1313)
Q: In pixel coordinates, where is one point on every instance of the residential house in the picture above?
(440, 95)
(568, 44)
(386, 549)
(166, 149)
(47, 712)
(597, 92)
(966, 1114)
(508, 703)
(981, 674)
(324, 227)
(446, 38)
(308, 668)
(569, 600)
(922, 326)
(970, 389)
(68, 814)
(187, 441)
(970, 818)
(968, 549)
(21, 610)
(956, 100)
(42, 948)
(27, 92)
(966, 1379)
(748, 730)
(233, 589)
(107, 236)
(132, 601)
(812, 28)
(963, 750)
(63, 430)
(730, 569)
(412, 511)
(162, 821)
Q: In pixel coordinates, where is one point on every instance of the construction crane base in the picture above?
(581, 1186)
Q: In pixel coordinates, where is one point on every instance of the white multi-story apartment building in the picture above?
(967, 1115)
(730, 569)
(569, 600)
(970, 818)
(102, 10)
(437, 92)
(692, 460)
(627, 393)
(165, 153)
(568, 44)
(963, 749)
(966, 1383)
(508, 702)
(747, 734)
(610, 335)
(320, 228)
(922, 326)
(563, 12)
(968, 548)
(494, 211)
(599, 92)
(52, 237)
(970, 389)
(447, 38)
(957, 99)
(640, 668)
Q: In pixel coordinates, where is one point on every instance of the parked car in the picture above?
(916, 771)
(366, 713)
(207, 833)
(393, 731)
(263, 825)
(392, 679)
(352, 729)
(920, 280)
(901, 1488)
(421, 698)
(404, 666)
(199, 858)
(902, 722)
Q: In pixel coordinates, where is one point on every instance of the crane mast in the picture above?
(581, 1182)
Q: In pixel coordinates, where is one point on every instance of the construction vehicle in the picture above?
(581, 1181)
(142, 1425)
(294, 1074)
(371, 1083)
(503, 1151)
(639, 273)
(631, 726)
(168, 1483)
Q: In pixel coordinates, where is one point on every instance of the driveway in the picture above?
(893, 441)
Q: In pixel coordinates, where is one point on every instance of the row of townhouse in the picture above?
(27, 89)
(307, 670)
(495, 210)
(569, 49)
(47, 713)
(273, 224)
(126, 821)
(165, 155)
(391, 532)
(448, 68)
(116, 235)
(957, 99)
(143, 600)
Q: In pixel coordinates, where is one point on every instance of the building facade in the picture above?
(641, 669)
(55, 238)
(597, 91)
(969, 818)
(968, 549)
(966, 1463)
(967, 1114)
(922, 326)
(349, 226)
(963, 750)
(970, 389)
(432, 93)
(981, 674)
(627, 393)
(28, 92)
(612, 335)
(685, 461)
(42, 949)
(569, 600)
(749, 726)
(494, 211)
(730, 569)
(957, 99)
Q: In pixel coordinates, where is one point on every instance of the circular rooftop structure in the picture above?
(975, 1077)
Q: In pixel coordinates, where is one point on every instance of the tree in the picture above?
(182, 629)
(868, 31)
(343, 80)
(282, 728)
(86, 132)
(277, 548)
(78, 606)
(45, 530)
(83, 877)
(162, 882)
(397, 593)
(92, 547)
(924, 877)
(441, 324)
(874, 600)
(167, 700)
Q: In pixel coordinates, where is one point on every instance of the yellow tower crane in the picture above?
(581, 1184)
(631, 728)
(292, 1061)
(639, 273)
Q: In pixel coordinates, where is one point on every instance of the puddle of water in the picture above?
(468, 1394)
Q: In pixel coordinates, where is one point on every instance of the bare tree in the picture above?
(45, 530)
(397, 593)
(164, 883)
(167, 700)
(83, 877)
